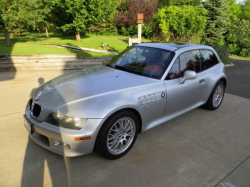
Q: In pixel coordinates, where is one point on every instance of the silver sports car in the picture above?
(104, 108)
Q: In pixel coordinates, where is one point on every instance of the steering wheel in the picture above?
(155, 68)
(160, 64)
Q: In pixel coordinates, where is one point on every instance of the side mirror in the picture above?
(188, 75)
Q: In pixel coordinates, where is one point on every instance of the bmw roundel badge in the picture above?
(39, 95)
(163, 94)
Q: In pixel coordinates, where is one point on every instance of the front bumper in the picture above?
(48, 136)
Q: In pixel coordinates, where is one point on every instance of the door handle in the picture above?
(202, 81)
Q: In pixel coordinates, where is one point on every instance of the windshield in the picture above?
(144, 61)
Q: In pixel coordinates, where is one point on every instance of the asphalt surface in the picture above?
(239, 78)
(198, 149)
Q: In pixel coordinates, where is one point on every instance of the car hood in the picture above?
(86, 83)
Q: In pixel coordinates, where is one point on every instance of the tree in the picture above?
(163, 3)
(239, 45)
(17, 14)
(101, 15)
(217, 21)
(46, 17)
(126, 16)
(71, 15)
(186, 2)
(128, 10)
(245, 10)
(233, 9)
(180, 23)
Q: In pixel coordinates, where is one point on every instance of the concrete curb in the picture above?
(229, 65)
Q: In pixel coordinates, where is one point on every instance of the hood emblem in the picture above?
(38, 96)
(163, 94)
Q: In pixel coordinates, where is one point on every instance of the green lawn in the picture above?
(114, 43)
(25, 49)
(239, 57)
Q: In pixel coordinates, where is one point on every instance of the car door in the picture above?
(182, 96)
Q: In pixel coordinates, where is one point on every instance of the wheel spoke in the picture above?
(219, 90)
(116, 145)
(112, 137)
(126, 125)
(121, 124)
(111, 143)
(116, 128)
(128, 128)
(129, 133)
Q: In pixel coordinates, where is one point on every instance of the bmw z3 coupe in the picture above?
(105, 108)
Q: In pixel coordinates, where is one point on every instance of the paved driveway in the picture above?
(199, 149)
(239, 78)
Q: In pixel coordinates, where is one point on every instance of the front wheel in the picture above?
(216, 97)
(117, 135)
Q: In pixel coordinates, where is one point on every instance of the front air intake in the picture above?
(36, 110)
(30, 103)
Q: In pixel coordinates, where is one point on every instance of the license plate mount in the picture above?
(28, 125)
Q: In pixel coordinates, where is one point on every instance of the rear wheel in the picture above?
(117, 135)
(216, 96)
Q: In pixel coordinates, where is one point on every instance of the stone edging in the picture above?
(49, 62)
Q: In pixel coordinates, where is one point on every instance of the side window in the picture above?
(190, 61)
(208, 59)
(174, 71)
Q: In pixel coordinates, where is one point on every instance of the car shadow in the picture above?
(7, 67)
(40, 163)
(45, 168)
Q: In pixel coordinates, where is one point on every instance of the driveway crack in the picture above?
(234, 170)
(10, 114)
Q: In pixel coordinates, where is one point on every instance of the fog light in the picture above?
(66, 146)
(61, 144)
(57, 143)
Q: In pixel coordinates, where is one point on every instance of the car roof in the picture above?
(172, 46)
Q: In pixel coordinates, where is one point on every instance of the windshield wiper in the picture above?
(108, 65)
(128, 69)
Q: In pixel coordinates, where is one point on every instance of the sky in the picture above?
(239, 1)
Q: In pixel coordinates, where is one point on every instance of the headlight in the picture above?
(66, 121)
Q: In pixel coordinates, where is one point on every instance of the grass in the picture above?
(25, 49)
(239, 57)
(114, 43)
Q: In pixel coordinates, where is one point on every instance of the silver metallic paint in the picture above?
(97, 93)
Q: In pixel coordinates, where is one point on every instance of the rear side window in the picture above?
(186, 61)
(190, 61)
(208, 59)
(174, 71)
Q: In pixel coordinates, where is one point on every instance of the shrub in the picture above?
(222, 52)
(238, 38)
(180, 23)
(129, 30)
(126, 16)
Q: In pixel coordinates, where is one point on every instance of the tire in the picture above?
(211, 105)
(124, 137)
